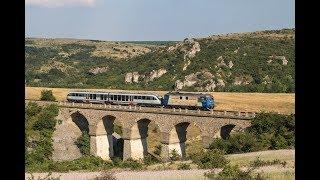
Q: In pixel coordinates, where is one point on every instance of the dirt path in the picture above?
(130, 175)
(194, 174)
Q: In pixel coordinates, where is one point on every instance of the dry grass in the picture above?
(110, 49)
(244, 159)
(256, 102)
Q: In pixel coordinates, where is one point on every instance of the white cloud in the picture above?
(59, 3)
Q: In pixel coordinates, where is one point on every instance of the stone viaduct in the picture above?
(99, 121)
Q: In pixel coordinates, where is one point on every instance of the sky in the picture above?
(153, 20)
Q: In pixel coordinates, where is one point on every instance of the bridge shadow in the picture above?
(81, 121)
(181, 130)
(226, 130)
(143, 127)
(114, 132)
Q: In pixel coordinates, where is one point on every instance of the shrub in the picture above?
(184, 166)
(45, 121)
(258, 162)
(149, 159)
(38, 157)
(132, 164)
(46, 95)
(221, 144)
(83, 143)
(174, 156)
(210, 159)
(268, 131)
(33, 109)
(46, 118)
(234, 172)
(237, 143)
(52, 110)
(118, 129)
(157, 150)
(279, 142)
(116, 161)
(82, 163)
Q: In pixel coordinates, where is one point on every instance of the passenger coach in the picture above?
(114, 98)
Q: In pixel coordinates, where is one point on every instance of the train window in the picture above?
(143, 97)
(187, 98)
(90, 96)
(123, 98)
(119, 97)
(115, 97)
(139, 97)
(180, 97)
(153, 98)
(135, 97)
(94, 96)
(127, 98)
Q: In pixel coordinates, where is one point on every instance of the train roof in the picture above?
(187, 94)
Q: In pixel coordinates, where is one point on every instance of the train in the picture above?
(169, 100)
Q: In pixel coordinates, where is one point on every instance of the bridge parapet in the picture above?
(158, 110)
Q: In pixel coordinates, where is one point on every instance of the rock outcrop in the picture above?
(201, 81)
(282, 58)
(190, 47)
(132, 77)
(135, 77)
(98, 70)
(243, 80)
(156, 74)
(230, 65)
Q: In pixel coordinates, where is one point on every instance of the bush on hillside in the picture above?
(184, 166)
(33, 109)
(234, 172)
(46, 95)
(83, 143)
(237, 143)
(174, 156)
(268, 131)
(210, 159)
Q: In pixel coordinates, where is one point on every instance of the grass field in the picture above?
(283, 103)
(274, 172)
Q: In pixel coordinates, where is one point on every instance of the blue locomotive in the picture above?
(188, 100)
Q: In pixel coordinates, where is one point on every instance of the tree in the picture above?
(46, 95)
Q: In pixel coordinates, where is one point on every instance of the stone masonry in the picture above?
(100, 123)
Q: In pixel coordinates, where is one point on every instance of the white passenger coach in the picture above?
(114, 98)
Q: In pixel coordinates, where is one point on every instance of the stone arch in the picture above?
(224, 131)
(178, 137)
(137, 147)
(105, 125)
(102, 140)
(81, 121)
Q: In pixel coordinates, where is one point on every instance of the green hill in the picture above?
(246, 62)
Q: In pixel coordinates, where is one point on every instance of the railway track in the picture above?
(157, 110)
